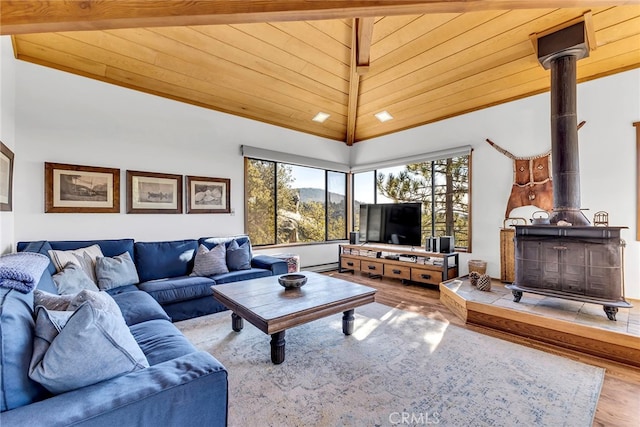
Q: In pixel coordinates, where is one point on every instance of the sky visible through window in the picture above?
(306, 177)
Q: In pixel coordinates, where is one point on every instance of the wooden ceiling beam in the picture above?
(362, 34)
(22, 17)
(354, 88)
(363, 44)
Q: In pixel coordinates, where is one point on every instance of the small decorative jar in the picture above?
(473, 278)
(484, 283)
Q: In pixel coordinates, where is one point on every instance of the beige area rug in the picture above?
(398, 368)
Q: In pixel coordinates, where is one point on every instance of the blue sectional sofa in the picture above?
(164, 267)
(181, 386)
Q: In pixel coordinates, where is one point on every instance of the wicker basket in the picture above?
(478, 265)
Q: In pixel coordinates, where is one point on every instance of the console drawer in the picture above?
(371, 267)
(397, 271)
(422, 275)
(347, 263)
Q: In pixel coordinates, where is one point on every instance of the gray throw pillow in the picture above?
(83, 257)
(238, 257)
(210, 262)
(89, 345)
(72, 279)
(115, 272)
(51, 301)
(101, 300)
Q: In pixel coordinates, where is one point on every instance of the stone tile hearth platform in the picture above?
(570, 324)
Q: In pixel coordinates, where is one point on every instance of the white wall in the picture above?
(7, 130)
(607, 159)
(69, 119)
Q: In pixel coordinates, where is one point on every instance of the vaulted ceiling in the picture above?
(282, 62)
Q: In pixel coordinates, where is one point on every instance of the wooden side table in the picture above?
(508, 249)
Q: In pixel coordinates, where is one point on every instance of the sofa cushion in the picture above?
(113, 272)
(87, 346)
(238, 256)
(122, 289)
(82, 257)
(234, 276)
(16, 347)
(109, 247)
(210, 262)
(161, 341)
(72, 279)
(138, 306)
(159, 260)
(178, 288)
(46, 283)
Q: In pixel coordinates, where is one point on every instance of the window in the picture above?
(442, 186)
(288, 203)
(336, 205)
(364, 191)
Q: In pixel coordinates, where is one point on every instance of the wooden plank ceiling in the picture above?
(282, 66)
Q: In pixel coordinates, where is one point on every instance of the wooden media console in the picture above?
(400, 262)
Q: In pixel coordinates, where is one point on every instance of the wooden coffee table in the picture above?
(269, 307)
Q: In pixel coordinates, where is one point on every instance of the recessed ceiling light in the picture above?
(383, 116)
(321, 117)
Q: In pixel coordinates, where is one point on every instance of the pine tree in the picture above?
(443, 189)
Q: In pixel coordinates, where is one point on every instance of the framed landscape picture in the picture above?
(150, 192)
(6, 178)
(81, 189)
(208, 195)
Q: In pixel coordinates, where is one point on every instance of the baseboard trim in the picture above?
(321, 268)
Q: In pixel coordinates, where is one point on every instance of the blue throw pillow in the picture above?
(210, 262)
(115, 272)
(89, 345)
(72, 279)
(238, 257)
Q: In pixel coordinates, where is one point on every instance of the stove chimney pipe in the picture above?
(560, 52)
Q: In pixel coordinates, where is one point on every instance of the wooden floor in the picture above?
(619, 403)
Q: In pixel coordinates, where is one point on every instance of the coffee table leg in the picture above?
(236, 322)
(277, 347)
(348, 320)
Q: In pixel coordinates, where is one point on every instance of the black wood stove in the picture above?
(568, 258)
(577, 263)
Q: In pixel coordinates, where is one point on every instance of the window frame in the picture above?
(433, 226)
(326, 172)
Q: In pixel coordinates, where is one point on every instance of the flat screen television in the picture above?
(395, 223)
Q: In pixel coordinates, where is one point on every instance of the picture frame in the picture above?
(6, 178)
(208, 195)
(81, 189)
(152, 192)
